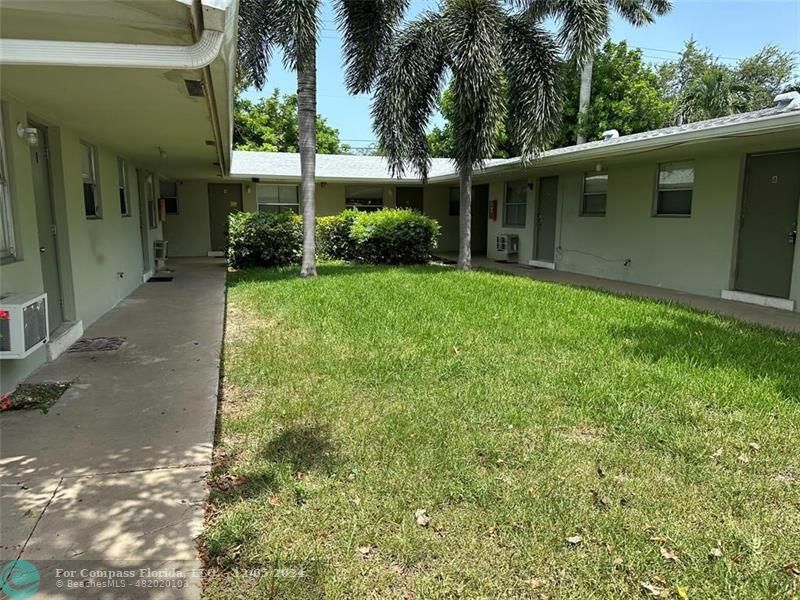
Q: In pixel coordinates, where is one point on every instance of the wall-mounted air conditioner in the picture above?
(508, 247)
(26, 329)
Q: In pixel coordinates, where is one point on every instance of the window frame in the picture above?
(98, 209)
(166, 197)
(280, 205)
(124, 187)
(365, 207)
(506, 204)
(657, 211)
(8, 250)
(583, 211)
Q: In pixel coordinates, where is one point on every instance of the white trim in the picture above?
(769, 301)
(146, 276)
(109, 54)
(542, 264)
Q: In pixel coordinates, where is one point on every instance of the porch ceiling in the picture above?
(132, 111)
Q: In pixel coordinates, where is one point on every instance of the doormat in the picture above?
(33, 396)
(159, 278)
(98, 344)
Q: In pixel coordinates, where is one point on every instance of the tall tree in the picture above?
(270, 125)
(481, 45)
(635, 12)
(292, 26)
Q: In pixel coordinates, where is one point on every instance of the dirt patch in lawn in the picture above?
(34, 396)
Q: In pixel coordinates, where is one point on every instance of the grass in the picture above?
(34, 396)
(565, 443)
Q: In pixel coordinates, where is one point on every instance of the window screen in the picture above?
(516, 204)
(363, 197)
(277, 198)
(675, 188)
(595, 190)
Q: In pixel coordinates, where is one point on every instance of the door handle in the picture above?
(41, 249)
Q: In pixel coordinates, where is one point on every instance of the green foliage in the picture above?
(701, 87)
(394, 237)
(271, 125)
(264, 239)
(333, 236)
(625, 96)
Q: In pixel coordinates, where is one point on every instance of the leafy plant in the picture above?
(333, 236)
(394, 237)
(264, 239)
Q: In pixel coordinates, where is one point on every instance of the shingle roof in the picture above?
(330, 167)
(345, 167)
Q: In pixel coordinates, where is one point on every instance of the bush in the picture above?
(264, 239)
(394, 237)
(333, 236)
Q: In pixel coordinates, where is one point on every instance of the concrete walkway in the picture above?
(769, 317)
(112, 476)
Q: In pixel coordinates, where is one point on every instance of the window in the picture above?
(169, 192)
(91, 194)
(7, 249)
(363, 197)
(595, 190)
(675, 187)
(124, 206)
(454, 207)
(277, 198)
(516, 204)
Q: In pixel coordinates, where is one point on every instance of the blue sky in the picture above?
(729, 28)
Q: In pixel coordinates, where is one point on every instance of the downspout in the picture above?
(111, 54)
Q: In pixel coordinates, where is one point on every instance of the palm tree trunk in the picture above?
(585, 97)
(465, 220)
(307, 133)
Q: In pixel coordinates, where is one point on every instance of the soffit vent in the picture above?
(195, 88)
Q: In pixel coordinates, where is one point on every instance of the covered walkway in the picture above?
(112, 476)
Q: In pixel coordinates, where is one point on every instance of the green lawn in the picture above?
(520, 415)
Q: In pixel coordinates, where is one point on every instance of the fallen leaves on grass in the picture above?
(365, 551)
(668, 553)
(715, 552)
(422, 517)
(654, 591)
(575, 540)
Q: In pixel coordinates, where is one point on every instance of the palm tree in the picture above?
(635, 12)
(292, 26)
(480, 44)
(716, 93)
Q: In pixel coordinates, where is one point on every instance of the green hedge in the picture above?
(333, 236)
(264, 239)
(394, 237)
(389, 236)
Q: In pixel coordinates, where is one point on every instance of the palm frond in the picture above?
(583, 26)
(471, 31)
(258, 33)
(298, 24)
(367, 29)
(406, 90)
(659, 7)
(531, 64)
(635, 12)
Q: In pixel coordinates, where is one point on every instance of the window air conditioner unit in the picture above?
(508, 247)
(26, 329)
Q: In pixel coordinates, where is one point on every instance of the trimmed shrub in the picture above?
(333, 236)
(264, 239)
(394, 237)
